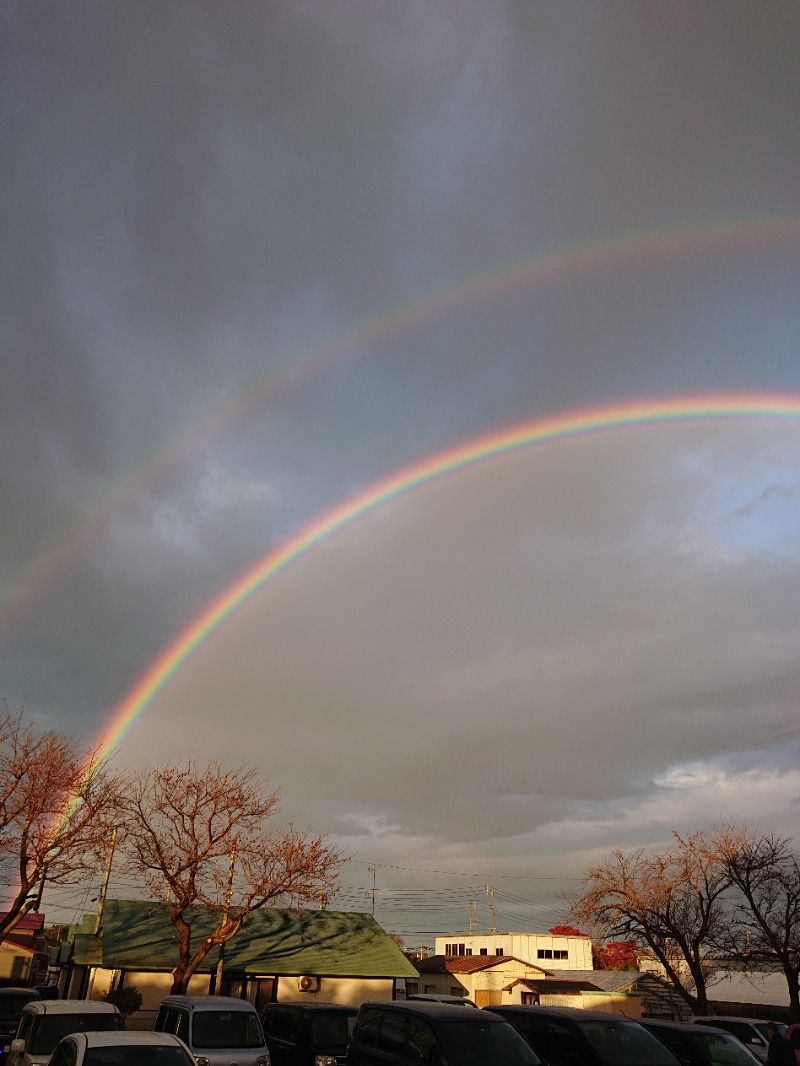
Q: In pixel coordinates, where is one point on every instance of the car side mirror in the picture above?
(17, 1046)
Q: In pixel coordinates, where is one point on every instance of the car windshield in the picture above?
(332, 1028)
(722, 1049)
(762, 1028)
(11, 1005)
(137, 1055)
(226, 1029)
(50, 1028)
(624, 1043)
(486, 1043)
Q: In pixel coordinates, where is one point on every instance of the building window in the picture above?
(544, 953)
(498, 951)
(484, 951)
(560, 954)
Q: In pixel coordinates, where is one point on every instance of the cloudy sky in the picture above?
(260, 258)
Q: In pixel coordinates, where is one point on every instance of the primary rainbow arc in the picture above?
(466, 454)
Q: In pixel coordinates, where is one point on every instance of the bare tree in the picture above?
(55, 808)
(200, 834)
(765, 924)
(672, 903)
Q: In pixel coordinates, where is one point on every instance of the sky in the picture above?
(264, 261)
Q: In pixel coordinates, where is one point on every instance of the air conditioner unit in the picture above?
(308, 983)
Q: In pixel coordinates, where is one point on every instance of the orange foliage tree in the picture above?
(672, 902)
(200, 835)
(56, 806)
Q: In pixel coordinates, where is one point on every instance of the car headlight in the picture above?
(324, 1060)
(263, 1060)
(201, 1060)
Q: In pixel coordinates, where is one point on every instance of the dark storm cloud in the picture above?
(198, 196)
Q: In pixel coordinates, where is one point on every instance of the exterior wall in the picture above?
(15, 964)
(350, 991)
(483, 987)
(613, 1002)
(527, 946)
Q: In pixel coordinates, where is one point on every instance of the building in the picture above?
(547, 950)
(502, 980)
(329, 956)
(24, 952)
(627, 992)
(480, 978)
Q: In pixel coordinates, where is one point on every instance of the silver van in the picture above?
(218, 1030)
(751, 1031)
(43, 1022)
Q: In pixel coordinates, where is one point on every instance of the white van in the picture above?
(218, 1030)
(43, 1022)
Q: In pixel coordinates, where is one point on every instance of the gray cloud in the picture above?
(543, 656)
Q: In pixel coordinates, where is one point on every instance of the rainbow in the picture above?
(714, 238)
(516, 438)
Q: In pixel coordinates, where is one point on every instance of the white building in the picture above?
(546, 950)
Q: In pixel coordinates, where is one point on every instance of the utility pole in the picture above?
(490, 894)
(372, 870)
(225, 913)
(473, 903)
(102, 898)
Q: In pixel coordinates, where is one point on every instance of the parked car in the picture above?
(434, 997)
(403, 1033)
(121, 1049)
(569, 1036)
(12, 1000)
(751, 1031)
(308, 1034)
(701, 1045)
(43, 1022)
(217, 1029)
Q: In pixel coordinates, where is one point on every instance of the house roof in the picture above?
(555, 986)
(468, 963)
(138, 935)
(605, 980)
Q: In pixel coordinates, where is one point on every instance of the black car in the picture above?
(420, 1033)
(701, 1045)
(12, 1000)
(569, 1036)
(308, 1034)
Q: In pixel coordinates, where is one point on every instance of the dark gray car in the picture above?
(434, 1034)
(308, 1034)
(567, 1036)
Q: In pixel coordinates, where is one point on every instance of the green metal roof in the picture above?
(139, 936)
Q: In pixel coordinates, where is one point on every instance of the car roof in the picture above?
(70, 1006)
(709, 1019)
(684, 1027)
(208, 1003)
(430, 1008)
(432, 997)
(315, 1006)
(128, 1037)
(571, 1013)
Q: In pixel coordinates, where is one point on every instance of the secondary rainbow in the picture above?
(504, 442)
(647, 247)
